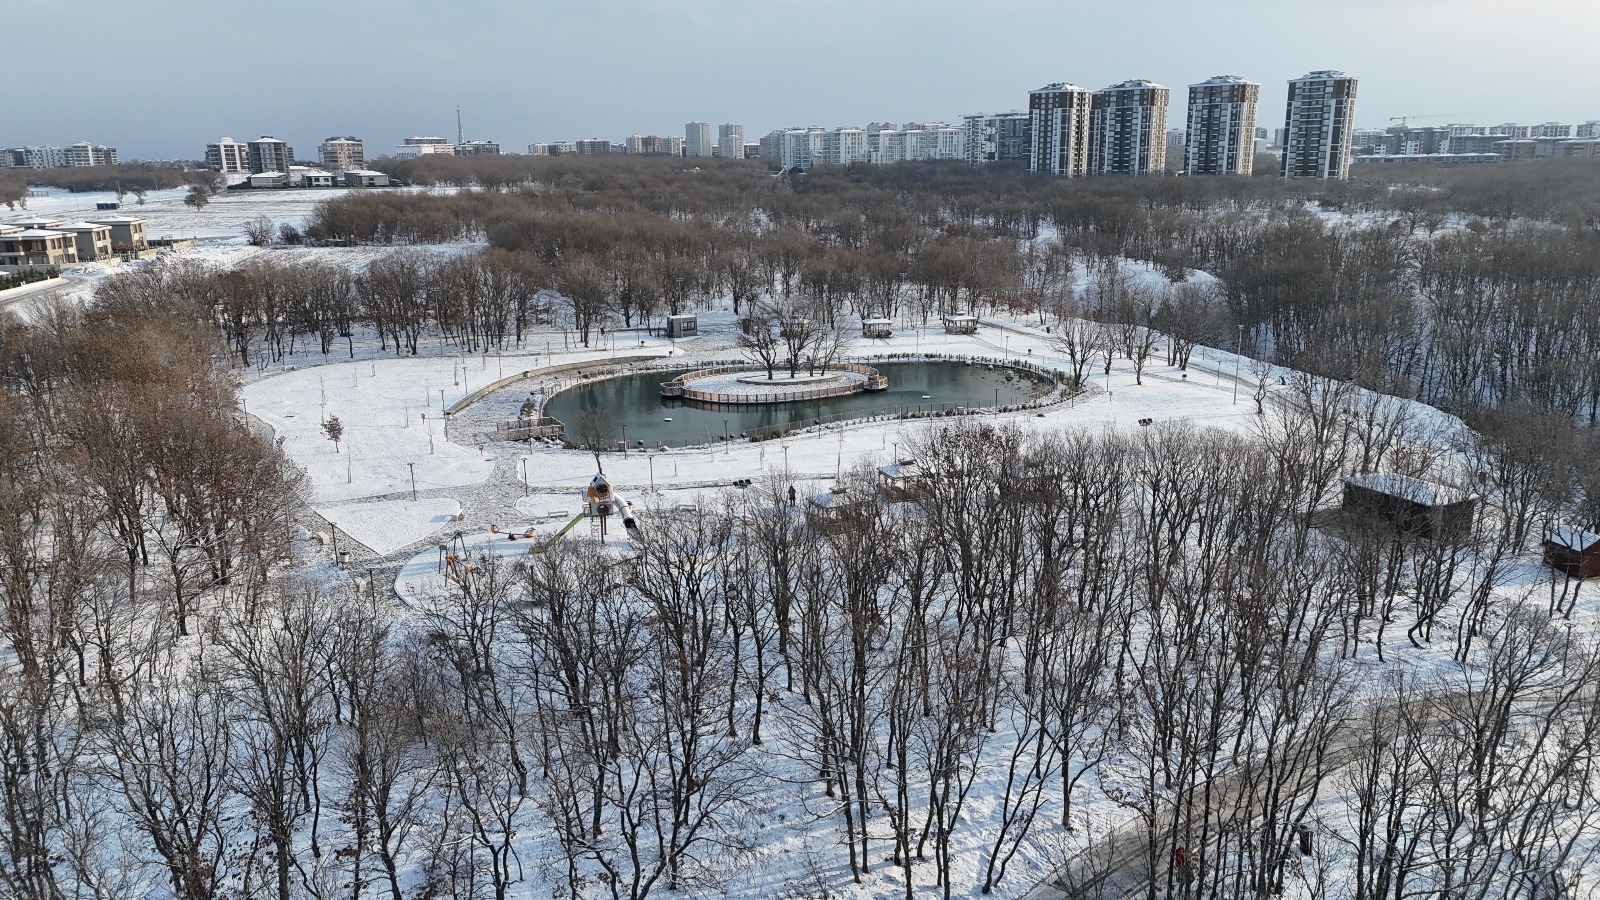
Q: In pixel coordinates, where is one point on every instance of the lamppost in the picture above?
(413, 467)
(1238, 349)
(727, 437)
(652, 458)
(996, 398)
(524, 476)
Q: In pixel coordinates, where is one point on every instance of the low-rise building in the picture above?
(1454, 159)
(422, 146)
(127, 232)
(1573, 551)
(270, 180)
(305, 176)
(35, 248)
(93, 240)
(366, 178)
(478, 148)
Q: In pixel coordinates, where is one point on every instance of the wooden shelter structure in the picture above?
(1412, 506)
(1573, 551)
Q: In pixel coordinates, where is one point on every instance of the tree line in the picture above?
(1463, 288)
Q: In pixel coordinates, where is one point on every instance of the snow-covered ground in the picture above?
(167, 215)
(744, 384)
(390, 409)
(387, 525)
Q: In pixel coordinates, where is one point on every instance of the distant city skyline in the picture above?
(522, 73)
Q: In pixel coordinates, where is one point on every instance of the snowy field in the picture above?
(223, 218)
(471, 491)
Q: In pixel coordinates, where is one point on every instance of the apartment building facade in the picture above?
(342, 154)
(697, 139)
(1128, 129)
(229, 157)
(268, 154)
(1001, 137)
(1221, 127)
(84, 153)
(730, 141)
(1319, 117)
(1058, 116)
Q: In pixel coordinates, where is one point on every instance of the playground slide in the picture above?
(559, 535)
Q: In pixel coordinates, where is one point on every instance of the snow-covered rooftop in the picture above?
(35, 233)
(1572, 538)
(1413, 489)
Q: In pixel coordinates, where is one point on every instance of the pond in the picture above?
(633, 405)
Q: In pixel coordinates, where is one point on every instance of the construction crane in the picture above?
(1403, 120)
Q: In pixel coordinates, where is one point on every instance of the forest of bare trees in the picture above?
(1175, 620)
(1489, 311)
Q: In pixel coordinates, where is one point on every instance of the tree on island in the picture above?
(759, 342)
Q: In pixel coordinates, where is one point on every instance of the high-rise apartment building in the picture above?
(342, 154)
(697, 139)
(1059, 124)
(268, 154)
(730, 141)
(1128, 129)
(996, 138)
(1318, 118)
(1222, 127)
(229, 157)
(1175, 143)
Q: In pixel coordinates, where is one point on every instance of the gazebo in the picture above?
(960, 324)
(903, 480)
(876, 328)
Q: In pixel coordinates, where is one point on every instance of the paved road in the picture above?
(38, 291)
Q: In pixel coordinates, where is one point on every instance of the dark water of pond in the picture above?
(633, 405)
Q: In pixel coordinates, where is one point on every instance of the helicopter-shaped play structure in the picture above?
(602, 502)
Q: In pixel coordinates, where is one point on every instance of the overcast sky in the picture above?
(162, 79)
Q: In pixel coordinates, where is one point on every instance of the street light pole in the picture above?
(524, 476)
(1238, 348)
(413, 467)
